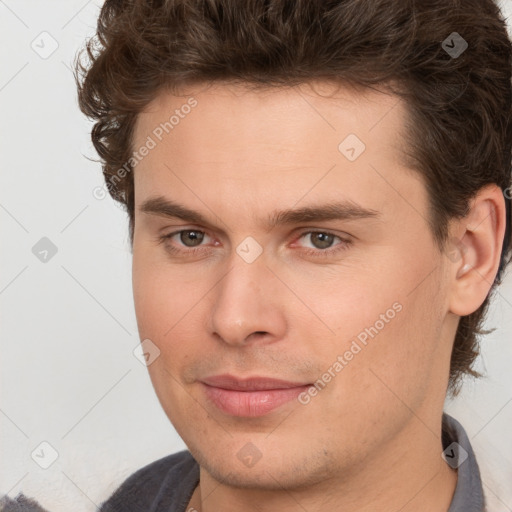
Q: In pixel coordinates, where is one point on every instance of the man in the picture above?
(319, 206)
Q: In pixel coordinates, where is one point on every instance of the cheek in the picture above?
(398, 364)
(169, 309)
(150, 302)
(387, 330)
(162, 305)
(161, 298)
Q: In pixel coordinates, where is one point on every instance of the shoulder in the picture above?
(143, 489)
(20, 503)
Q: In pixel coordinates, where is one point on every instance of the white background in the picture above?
(68, 329)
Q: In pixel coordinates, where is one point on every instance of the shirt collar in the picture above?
(458, 453)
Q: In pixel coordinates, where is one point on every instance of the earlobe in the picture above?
(481, 235)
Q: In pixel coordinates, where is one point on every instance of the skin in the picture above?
(371, 438)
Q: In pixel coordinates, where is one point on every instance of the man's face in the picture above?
(356, 304)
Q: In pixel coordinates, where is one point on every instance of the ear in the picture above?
(475, 250)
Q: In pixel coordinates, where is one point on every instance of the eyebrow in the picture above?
(344, 210)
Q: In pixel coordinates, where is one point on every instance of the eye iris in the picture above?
(325, 240)
(196, 237)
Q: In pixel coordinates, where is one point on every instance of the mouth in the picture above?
(251, 397)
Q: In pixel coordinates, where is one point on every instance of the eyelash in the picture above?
(318, 253)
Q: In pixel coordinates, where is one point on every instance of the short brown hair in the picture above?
(459, 132)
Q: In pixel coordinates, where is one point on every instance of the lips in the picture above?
(250, 397)
(250, 384)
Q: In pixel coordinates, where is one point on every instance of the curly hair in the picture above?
(459, 106)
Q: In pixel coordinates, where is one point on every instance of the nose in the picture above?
(247, 305)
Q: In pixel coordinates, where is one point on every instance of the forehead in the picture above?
(239, 143)
(321, 108)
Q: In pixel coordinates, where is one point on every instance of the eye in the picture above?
(320, 239)
(190, 242)
(191, 237)
(321, 243)
(185, 241)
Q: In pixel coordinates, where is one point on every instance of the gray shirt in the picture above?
(167, 484)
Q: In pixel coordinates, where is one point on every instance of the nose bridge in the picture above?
(246, 302)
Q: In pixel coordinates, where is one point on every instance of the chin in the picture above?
(274, 469)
